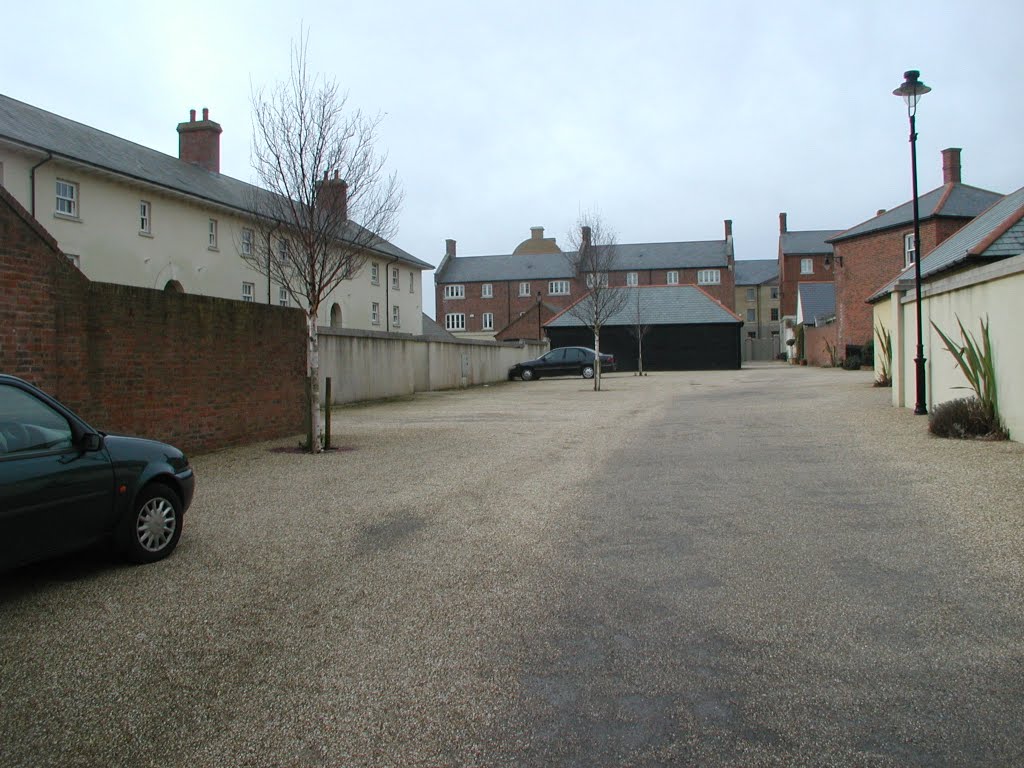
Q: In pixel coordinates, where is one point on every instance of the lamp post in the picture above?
(912, 89)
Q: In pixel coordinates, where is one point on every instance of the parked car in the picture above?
(65, 485)
(564, 361)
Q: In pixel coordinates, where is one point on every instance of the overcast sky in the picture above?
(667, 117)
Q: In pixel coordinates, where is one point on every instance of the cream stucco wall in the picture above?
(106, 239)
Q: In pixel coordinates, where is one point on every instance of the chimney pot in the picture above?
(199, 142)
(782, 223)
(336, 174)
(880, 212)
(951, 165)
(191, 115)
(206, 114)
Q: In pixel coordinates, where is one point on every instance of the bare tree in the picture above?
(324, 202)
(592, 260)
(639, 330)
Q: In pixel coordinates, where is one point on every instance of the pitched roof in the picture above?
(808, 241)
(628, 256)
(817, 301)
(954, 199)
(996, 233)
(433, 331)
(659, 305)
(46, 132)
(756, 271)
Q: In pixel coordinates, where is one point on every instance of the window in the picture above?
(709, 277)
(395, 280)
(395, 317)
(213, 235)
(595, 279)
(283, 250)
(751, 315)
(34, 426)
(775, 314)
(282, 296)
(806, 266)
(412, 282)
(775, 292)
(524, 289)
(248, 291)
(909, 252)
(247, 242)
(375, 312)
(751, 294)
(486, 291)
(67, 198)
(375, 273)
(751, 334)
(455, 321)
(558, 288)
(145, 225)
(455, 291)
(488, 321)
(672, 278)
(632, 278)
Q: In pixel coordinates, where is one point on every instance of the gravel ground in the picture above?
(761, 567)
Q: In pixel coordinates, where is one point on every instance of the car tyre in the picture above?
(588, 371)
(528, 374)
(152, 529)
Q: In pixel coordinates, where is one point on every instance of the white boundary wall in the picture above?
(364, 365)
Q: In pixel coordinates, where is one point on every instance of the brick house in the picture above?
(805, 256)
(757, 303)
(877, 250)
(489, 297)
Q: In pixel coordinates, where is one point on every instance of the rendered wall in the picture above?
(816, 342)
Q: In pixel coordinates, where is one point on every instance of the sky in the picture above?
(664, 117)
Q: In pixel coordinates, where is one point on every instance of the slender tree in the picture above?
(639, 328)
(593, 258)
(323, 203)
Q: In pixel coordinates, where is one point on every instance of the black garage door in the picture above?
(666, 347)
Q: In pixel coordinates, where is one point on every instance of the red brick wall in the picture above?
(789, 277)
(815, 339)
(195, 371)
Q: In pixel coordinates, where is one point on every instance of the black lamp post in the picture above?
(912, 89)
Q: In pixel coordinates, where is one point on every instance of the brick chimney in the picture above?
(586, 237)
(334, 193)
(782, 223)
(199, 141)
(536, 233)
(951, 165)
(728, 228)
(449, 248)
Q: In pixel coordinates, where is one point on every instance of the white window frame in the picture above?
(284, 250)
(282, 297)
(709, 277)
(558, 288)
(751, 294)
(806, 266)
(524, 289)
(454, 292)
(145, 217)
(775, 292)
(375, 312)
(245, 246)
(396, 279)
(375, 274)
(455, 321)
(672, 278)
(632, 278)
(909, 251)
(775, 314)
(487, 321)
(396, 316)
(597, 279)
(487, 291)
(412, 281)
(212, 235)
(248, 291)
(67, 197)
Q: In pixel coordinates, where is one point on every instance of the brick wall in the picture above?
(195, 371)
(790, 276)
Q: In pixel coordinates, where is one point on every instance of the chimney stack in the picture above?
(537, 233)
(951, 165)
(782, 223)
(586, 237)
(333, 193)
(880, 211)
(199, 141)
(449, 248)
(728, 228)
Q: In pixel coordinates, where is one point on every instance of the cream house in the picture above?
(131, 215)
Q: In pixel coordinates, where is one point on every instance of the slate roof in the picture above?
(44, 131)
(547, 266)
(433, 331)
(953, 199)
(817, 301)
(997, 233)
(756, 271)
(659, 305)
(807, 242)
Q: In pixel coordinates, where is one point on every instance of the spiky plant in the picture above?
(976, 361)
(885, 344)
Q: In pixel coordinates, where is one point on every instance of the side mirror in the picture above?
(91, 441)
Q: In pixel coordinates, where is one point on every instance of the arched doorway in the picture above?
(335, 316)
(173, 286)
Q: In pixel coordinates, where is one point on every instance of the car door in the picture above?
(553, 363)
(574, 358)
(53, 495)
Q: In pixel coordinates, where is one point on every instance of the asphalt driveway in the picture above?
(762, 567)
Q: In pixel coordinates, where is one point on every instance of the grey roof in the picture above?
(997, 233)
(757, 271)
(817, 301)
(545, 266)
(659, 305)
(808, 241)
(954, 200)
(433, 331)
(44, 131)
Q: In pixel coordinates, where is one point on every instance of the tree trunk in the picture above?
(597, 361)
(313, 371)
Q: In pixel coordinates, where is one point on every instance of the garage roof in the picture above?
(658, 305)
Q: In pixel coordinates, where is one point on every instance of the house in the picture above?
(975, 274)
(875, 251)
(757, 302)
(130, 215)
(805, 256)
(504, 296)
(682, 327)
(815, 303)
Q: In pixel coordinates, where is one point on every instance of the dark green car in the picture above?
(65, 485)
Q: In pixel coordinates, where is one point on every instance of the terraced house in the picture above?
(127, 214)
(511, 296)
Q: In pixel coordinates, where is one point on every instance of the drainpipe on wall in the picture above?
(32, 180)
(387, 294)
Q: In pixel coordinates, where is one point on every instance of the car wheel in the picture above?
(528, 374)
(588, 371)
(152, 530)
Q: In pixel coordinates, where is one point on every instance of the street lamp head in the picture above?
(911, 89)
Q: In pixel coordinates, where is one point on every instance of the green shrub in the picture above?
(851, 363)
(976, 361)
(966, 417)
